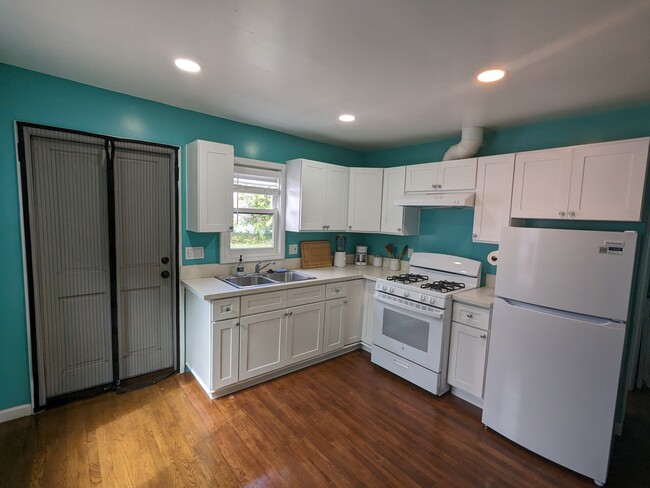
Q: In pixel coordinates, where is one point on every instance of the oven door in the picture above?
(414, 335)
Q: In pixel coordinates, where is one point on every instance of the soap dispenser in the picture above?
(240, 266)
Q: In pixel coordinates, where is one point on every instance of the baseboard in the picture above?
(468, 397)
(15, 412)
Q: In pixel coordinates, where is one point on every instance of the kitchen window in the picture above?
(258, 224)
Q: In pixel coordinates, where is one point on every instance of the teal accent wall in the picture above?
(28, 96)
(33, 97)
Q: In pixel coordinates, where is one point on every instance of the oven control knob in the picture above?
(392, 290)
(406, 294)
(383, 287)
(423, 297)
(431, 300)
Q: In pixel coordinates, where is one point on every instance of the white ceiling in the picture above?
(405, 68)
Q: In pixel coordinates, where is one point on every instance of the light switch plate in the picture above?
(193, 253)
(410, 252)
(293, 248)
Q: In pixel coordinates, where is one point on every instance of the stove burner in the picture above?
(408, 278)
(443, 286)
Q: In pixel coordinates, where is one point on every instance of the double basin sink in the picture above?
(264, 279)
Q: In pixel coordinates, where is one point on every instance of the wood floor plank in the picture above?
(344, 422)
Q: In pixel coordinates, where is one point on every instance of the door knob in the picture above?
(164, 260)
(165, 274)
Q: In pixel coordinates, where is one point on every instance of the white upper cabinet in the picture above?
(607, 181)
(364, 203)
(591, 182)
(396, 219)
(444, 176)
(317, 196)
(493, 196)
(541, 185)
(209, 174)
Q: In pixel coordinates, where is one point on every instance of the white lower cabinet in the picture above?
(305, 332)
(368, 312)
(343, 317)
(468, 349)
(262, 344)
(353, 313)
(225, 356)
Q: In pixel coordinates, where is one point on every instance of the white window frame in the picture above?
(228, 255)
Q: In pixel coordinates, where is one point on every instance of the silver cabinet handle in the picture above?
(226, 308)
(562, 213)
(231, 228)
(474, 236)
(337, 290)
(290, 313)
(572, 213)
(345, 301)
(350, 227)
(399, 229)
(285, 314)
(469, 315)
(433, 186)
(237, 324)
(483, 336)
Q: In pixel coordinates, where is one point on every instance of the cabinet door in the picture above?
(263, 342)
(334, 320)
(541, 184)
(493, 197)
(457, 175)
(421, 177)
(313, 194)
(364, 204)
(607, 181)
(467, 353)
(209, 186)
(225, 353)
(336, 198)
(392, 216)
(305, 332)
(368, 312)
(353, 313)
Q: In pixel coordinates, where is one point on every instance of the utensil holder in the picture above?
(394, 264)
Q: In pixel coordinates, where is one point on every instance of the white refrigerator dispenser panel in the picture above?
(584, 272)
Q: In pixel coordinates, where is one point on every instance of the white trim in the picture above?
(15, 412)
(251, 255)
(23, 250)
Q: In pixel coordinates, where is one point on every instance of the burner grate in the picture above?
(443, 286)
(408, 278)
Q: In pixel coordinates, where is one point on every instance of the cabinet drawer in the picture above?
(226, 308)
(263, 302)
(308, 294)
(470, 315)
(337, 290)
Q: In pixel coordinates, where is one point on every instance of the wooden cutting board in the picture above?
(315, 254)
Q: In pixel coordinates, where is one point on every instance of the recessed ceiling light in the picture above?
(491, 75)
(187, 65)
(347, 118)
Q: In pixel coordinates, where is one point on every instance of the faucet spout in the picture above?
(259, 267)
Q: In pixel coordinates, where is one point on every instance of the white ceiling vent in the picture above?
(470, 141)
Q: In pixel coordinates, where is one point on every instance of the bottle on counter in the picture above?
(240, 266)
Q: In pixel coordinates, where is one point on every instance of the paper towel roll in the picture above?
(493, 258)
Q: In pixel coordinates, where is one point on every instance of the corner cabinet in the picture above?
(209, 186)
(493, 197)
(364, 202)
(394, 218)
(590, 182)
(317, 196)
(453, 175)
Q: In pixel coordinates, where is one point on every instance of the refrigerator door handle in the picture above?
(562, 313)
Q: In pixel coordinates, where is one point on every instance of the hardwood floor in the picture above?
(344, 422)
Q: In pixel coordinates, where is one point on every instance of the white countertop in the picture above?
(212, 288)
(480, 297)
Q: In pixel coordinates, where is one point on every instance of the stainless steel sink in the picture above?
(288, 277)
(265, 279)
(247, 281)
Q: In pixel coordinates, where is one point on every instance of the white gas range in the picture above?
(413, 317)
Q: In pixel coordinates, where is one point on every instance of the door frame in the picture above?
(39, 401)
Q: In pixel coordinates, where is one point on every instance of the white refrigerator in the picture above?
(556, 342)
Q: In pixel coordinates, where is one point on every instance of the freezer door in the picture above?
(551, 383)
(584, 272)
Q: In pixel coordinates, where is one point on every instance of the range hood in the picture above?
(436, 200)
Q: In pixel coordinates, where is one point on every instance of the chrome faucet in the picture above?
(259, 267)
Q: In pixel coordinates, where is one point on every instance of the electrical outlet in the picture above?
(293, 248)
(410, 253)
(193, 253)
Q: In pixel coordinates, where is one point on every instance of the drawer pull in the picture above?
(469, 315)
(483, 336)
(401, 364)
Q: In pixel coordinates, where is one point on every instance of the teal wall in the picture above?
(33, 97)
(28, 96)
